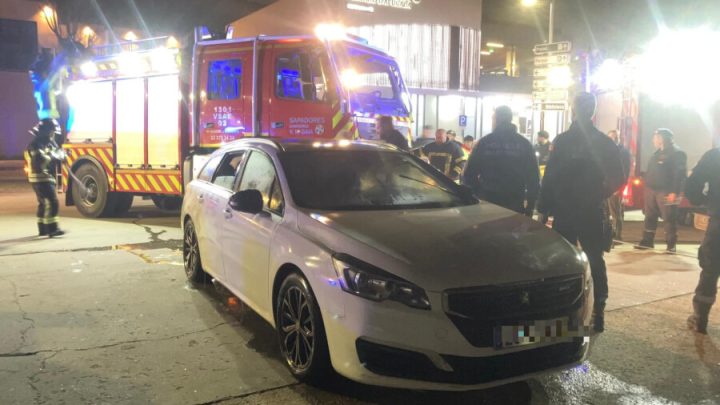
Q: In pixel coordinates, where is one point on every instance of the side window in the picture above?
(206, 173)
(226, 171)
(224, 79)
(260, 175)
(302, 76)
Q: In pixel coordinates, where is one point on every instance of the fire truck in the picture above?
(144, 115)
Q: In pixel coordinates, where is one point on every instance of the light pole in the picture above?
(551, 23)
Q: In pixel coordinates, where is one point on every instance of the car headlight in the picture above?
(367, 281)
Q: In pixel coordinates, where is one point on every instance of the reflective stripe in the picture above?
(176, 184)
(154, 183)
(140, 179)
(133, 184)
(165, 183)
(122, 182)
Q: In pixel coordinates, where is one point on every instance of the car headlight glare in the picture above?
(363, 280)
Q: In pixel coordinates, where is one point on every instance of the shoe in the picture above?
(644, 244)
(56, 233)
(599, 318)
(697, 323)
(42, 230)
(671, 250)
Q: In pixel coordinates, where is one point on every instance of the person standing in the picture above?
(542, 148)
(615, 205)
(41, 155)
(444, 155)
(583, 170)
(389, 134)
(502, 168)
(663, 183)
(468, 143)
(707, 172)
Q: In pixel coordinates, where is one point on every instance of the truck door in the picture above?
(224, 90)
(303, 96)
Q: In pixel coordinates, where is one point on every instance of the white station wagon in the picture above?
(369, 262)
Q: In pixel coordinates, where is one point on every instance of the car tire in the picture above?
(303, 343)
(92, 197)
(167, 203)
(191, 255)
(123, 202)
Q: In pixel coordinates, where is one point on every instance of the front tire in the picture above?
(91, 195)
(191, 255)
(300, 330)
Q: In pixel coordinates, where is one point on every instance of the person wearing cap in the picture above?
(41, 155)
(584, 169)
(664, 181)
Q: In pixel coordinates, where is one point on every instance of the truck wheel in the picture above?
(91, 192)
(167, 203)
(123, 202)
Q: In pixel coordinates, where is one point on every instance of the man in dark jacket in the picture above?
(542, 148)
(584, 169)
(615, 205)
(41, 156)
(389, 134)
(707, 172)
(663, 183)
(502, 167)
(444, 155)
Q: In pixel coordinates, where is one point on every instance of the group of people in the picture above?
(585, 172)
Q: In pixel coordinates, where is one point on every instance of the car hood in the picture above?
(437, 249)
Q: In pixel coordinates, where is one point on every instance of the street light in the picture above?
(551, 24)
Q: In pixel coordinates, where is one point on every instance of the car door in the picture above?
(213, 197)
(246, 238)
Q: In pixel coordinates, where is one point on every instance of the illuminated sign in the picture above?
(400, 4)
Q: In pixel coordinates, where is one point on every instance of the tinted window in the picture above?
(206, 173)
(302, 76)
(367, 180)
(224, 79)
(259, 174)
(225, 173)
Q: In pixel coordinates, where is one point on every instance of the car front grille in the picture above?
(477, 311)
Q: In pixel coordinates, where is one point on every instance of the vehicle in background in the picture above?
(368, 261)
(146, 114)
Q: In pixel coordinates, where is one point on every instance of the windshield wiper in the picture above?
(429, 184)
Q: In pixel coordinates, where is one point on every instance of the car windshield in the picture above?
(342, 180)
(373, 81)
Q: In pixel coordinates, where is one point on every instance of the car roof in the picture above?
(309, 144)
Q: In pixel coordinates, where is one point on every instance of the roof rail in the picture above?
(130, 46)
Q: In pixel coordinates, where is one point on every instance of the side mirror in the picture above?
(250, 201)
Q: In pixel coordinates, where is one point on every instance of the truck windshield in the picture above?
(373, 81)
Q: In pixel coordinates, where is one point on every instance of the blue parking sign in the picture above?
(462, 121)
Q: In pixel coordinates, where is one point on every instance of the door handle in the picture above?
(201, 197)
(228, 213)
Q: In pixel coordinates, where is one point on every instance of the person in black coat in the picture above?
(707, 172)
(502, 167)
(583, 170)
(389, 134)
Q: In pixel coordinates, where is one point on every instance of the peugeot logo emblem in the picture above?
(525, 298)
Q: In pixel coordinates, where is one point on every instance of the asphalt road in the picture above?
(104, 315)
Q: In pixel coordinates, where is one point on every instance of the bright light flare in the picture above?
(172, 42)
(131, 64)
(163, 60)
(130, 36)
(529, 3)
(495, 45)
(682, 68)
(560, 77)
(330, 32)
(609, 76)
(48, 12)
(87, 32)
(89, 69)
(350, 79)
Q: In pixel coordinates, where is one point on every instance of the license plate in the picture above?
(531, 332)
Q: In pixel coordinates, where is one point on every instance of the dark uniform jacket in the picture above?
(394, 137)
(40, 160)
(542, 152)
(667, 170)
(707, 172)
(584, 169)
(446, 157)
(503, 165)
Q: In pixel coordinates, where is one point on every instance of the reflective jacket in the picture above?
(446, 157)
(40, 160)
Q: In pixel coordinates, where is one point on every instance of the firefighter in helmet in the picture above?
(41, 156)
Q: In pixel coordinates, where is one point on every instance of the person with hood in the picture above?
(389, 134)
(664, 180)
(502, 167)
(41, 155)
(584, 169)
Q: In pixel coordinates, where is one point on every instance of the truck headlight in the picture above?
(364, 280)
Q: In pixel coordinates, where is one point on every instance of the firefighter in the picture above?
(502, 168)
(583, 170)
(444, 155)
(42, 155)
(664, 179)
(389, 134)
(707, 172)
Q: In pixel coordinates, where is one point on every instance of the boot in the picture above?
(53, 231)
(698, 321)
(599, 318)
(671, 245)
(647, 242)
(42, 229)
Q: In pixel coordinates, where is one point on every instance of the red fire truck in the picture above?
(145, 114)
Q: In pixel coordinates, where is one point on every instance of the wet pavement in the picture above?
(104, 315)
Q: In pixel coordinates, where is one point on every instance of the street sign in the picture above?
(555, 47)
(551, 106)
(540, 72)
(462, 121)
(550, 95)
(548, 60)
